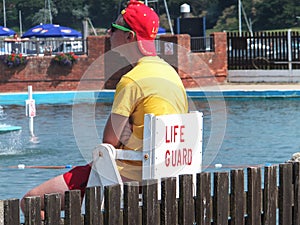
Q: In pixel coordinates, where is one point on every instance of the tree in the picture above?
(11, 14)
(228, 21)
(220, 14)
(65, 14)
(29, 8)
(103, 12)
(275, 14)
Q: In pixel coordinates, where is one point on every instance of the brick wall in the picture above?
(97, 70)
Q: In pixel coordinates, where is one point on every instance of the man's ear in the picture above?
(131, 36)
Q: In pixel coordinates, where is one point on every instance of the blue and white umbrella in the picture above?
(4, 31)
(161, 31)
(51, 30)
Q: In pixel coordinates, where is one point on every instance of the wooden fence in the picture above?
(238, 197)
(263, 50)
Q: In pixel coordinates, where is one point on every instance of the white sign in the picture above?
(30, 108)
(178, 144)
(169, 48)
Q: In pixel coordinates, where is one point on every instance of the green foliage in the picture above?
(220, 14)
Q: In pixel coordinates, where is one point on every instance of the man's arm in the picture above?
(116, 127)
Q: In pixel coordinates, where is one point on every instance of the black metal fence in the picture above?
(202, 44)
(263, 50)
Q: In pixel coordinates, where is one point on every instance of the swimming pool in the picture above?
(257, 131)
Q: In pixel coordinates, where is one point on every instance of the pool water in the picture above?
(257, 131)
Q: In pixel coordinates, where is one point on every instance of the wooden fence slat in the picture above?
(237, 197)
(112, 203)
(32, 213)
(1, 212)
(270, 196)
(131, 204)
(93, 215)
(168, 209)
(262, 205)
(73, 207)
(296, 181)
(220, 200)
(203, 213)
(186, 202)
(285, 194)
(150, 202)
(11, 212)
(52, 207)
(254, 198)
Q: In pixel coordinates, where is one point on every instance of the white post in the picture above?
(20, 22)
(30, 110)
(289, 39)
(240, 17)
(4, 14)
(168, 16)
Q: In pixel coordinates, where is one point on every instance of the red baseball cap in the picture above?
(145, 23)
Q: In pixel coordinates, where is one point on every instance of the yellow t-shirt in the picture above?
(152, 86)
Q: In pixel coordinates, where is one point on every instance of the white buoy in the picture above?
(30, 111)
(218, 165)
(21, 166)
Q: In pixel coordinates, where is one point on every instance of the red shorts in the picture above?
(77, 178)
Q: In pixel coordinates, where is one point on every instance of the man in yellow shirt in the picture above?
(152, 86)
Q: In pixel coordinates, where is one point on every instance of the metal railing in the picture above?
(43, 46)
(53, 46)
(263, 50)
(202, 44)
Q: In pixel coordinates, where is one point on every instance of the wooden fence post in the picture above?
(131, 215)
(254, 198)
(112, 202)
(150, 202)
(186, 212)
(93, 215)
(1, 212)
(11, 212)
(285, 194)
(203, 212)
(220, 200)
(296, 181)
(32, 212)
(73, 208)
(168, 209)
(270, 195)
(237, 197)
(52, 207)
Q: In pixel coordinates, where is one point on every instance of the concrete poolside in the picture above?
(259, 87)
(247, 90)
(222, 90)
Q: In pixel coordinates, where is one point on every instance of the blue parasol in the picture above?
(51, 30)
(161, 31)
(4, 31)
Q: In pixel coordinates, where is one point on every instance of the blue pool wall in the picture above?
(107, 96)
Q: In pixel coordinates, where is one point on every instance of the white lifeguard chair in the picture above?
(172, 146)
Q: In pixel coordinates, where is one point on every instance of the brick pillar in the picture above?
(96, 46)
(221, 63)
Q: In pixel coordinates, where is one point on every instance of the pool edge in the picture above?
(71, 97)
